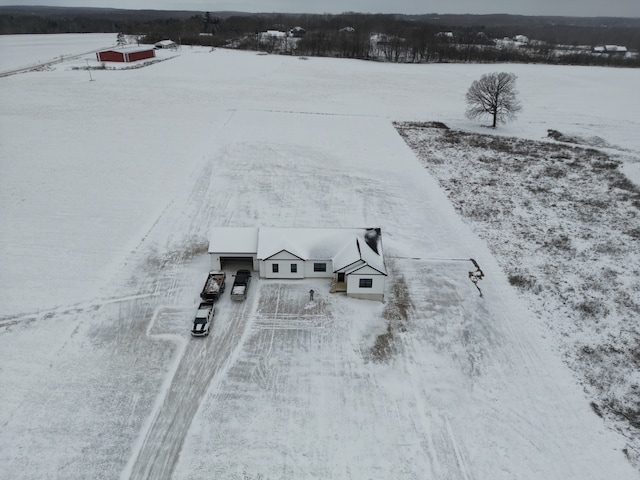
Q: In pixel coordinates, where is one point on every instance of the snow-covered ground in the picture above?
(107, 191)
(21, 51)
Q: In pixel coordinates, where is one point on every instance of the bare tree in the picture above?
(495, 95)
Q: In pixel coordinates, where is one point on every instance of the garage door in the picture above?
(236, 263)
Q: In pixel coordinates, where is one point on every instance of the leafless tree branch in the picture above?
(494, 95)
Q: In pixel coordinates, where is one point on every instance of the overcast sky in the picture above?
(581, 8)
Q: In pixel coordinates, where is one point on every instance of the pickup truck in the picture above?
(240, 285)
(203, 319)
(213, 287)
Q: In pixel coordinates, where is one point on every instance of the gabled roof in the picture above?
(345, 247)
(373, 255)
(361, 268)
(291, 251)
(306, 243)
(348, 256)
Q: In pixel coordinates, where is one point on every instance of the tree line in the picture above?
(386, 37)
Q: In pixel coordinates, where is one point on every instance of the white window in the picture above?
(366, 283)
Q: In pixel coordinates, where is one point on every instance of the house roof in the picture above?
(274, 33)
(307, 243)
(343, 246)
(370, 255)
(349, 255)
(233, 240)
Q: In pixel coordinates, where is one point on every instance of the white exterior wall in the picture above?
(215, 262)
(309, 273)
(376, 292)
(284, 261)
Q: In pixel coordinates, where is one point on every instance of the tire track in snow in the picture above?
(78, 307)
(48, 63)
(202, 361)
(158, 448)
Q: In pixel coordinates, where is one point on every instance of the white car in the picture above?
(203, 320)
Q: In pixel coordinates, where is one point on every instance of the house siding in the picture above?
(309, 272)
(378, 280)
(124, 56)
(284, 260)
(376, 292)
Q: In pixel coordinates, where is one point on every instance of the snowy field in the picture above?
(107, 191)
(21, 51)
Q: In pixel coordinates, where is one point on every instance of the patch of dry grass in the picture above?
(563, 222)
(396, 312)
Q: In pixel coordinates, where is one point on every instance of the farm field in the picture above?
(107, 191)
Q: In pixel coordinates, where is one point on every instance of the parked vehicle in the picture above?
(214, 286)
(203, 319)
(240, 285)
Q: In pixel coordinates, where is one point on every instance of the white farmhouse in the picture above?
(166, 44)
(351, 257)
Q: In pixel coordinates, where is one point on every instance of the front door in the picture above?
(340, 277)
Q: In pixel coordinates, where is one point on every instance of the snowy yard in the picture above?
(109, 187)
(564, 223)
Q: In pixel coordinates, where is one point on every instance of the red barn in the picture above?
(126, 54)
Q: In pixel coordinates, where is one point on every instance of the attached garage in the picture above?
(233, 247)
(132, 54)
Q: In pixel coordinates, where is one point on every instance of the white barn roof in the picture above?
(134, 49)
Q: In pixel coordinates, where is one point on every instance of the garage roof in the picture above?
(233, 240)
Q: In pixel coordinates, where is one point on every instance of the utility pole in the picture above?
(89, 69)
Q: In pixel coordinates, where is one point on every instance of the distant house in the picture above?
(297, 32)
(506, 44)
(610, 50)
(615, 48)
(166, 44)
(272, 34)
(351, 257)
(127, 54)
(445, 35)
